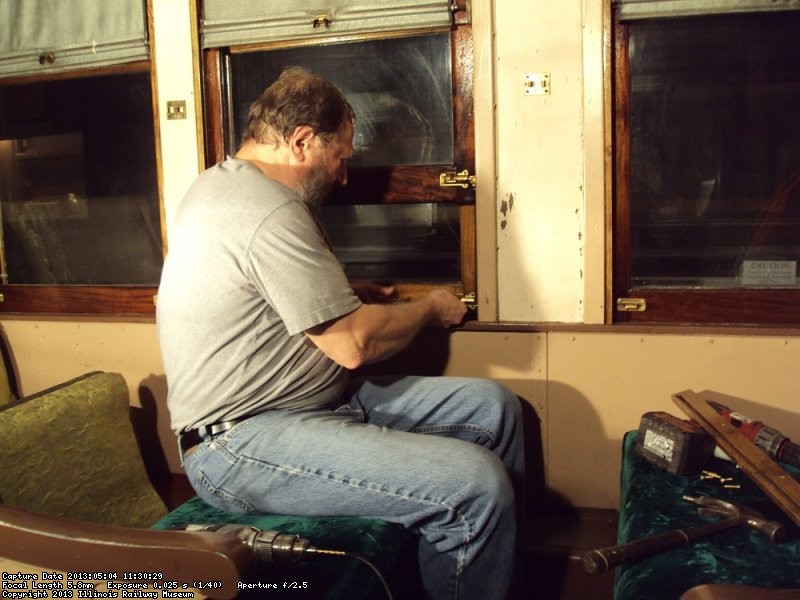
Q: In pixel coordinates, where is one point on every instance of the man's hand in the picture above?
(448, 310)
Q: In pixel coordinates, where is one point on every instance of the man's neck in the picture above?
(270, 160)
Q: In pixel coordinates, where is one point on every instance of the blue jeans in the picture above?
(436, 454)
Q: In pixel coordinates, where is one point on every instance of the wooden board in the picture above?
(767, 474)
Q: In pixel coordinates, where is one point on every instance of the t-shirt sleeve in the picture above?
(296, 271)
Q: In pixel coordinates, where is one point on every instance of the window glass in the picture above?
(402, 92)
(715, 151)
(396, 242)
(400, 89)
(78, 182)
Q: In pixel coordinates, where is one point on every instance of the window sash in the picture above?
(656, 9)
(763, 307)
(395, 184)
(42, 37)
(236, 22)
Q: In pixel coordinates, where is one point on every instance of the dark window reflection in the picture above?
(715, 150)
(401, 90)
(78, 183)
(397, 242)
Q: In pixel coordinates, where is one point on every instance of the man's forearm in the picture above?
(374, 332)
(389, 328)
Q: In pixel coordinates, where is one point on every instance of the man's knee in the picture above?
(497, 398)
(487, 478)
(491, 390)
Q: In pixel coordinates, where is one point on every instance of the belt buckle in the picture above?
(217, 428)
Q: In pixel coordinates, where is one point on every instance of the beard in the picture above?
(316, 187)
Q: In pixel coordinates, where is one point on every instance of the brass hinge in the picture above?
(631, 304)
(461, 179)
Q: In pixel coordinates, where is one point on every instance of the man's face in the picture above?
(328, 165)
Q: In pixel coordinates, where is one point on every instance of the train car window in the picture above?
(707, 167)
(79, 193)
(80, 214)
(401, 90)
(394, 222)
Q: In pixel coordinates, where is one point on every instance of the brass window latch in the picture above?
(631, 304)
(461, 179)
(470, 301)
(321, 20)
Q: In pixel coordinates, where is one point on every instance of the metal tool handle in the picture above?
(602, 559)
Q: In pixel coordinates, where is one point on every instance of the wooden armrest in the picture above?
(55, 544)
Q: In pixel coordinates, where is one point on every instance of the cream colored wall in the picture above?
(600, 385)
(546, 264)
(175, 56)
(588, 389)
(584, 389)
(540, 198)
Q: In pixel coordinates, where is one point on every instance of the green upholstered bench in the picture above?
(390, 548)
(70, 452)
(652, 502)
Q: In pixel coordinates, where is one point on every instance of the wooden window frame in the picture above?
(768, 307)
(393, 185)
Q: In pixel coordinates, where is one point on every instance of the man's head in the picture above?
(312, 116)
(298, 97)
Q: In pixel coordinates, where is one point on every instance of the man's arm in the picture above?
(374, 332)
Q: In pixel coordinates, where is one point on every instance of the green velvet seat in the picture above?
(70, 452)
(652, 502)
(391, 548)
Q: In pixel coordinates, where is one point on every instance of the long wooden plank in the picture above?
(767, 474)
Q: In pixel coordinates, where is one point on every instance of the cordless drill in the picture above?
(770, 440)
(682, 447)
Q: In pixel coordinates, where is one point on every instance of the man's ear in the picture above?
(300, 141)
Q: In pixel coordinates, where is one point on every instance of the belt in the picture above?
(191, 438)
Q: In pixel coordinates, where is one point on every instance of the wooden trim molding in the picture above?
(78, 299)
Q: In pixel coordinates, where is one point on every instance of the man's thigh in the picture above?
(459, 406)
(330, 463)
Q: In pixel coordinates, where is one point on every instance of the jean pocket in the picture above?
(220, 498)
(351, 413)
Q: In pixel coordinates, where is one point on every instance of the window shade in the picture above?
(653, 9)
(46, 36)
(234, 22)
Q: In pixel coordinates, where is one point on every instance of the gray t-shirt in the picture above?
(247, 272)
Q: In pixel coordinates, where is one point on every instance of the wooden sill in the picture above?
(634, 328)
(77, 300)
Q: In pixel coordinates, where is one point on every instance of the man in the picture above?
(258, 328)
